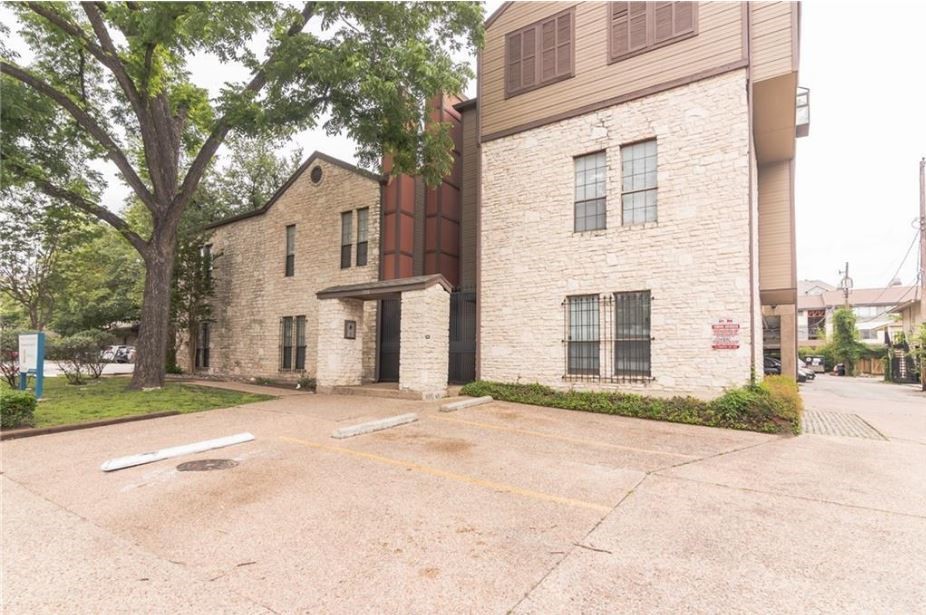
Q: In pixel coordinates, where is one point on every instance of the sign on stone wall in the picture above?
(726, 335)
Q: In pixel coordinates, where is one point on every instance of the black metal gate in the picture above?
(462, 367)
(390, 320)
(903, 369)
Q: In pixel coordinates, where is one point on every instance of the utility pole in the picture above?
(846, 284)
(923, 267)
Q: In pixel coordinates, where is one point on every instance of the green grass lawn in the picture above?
(107, 398)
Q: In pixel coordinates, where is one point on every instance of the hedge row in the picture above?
(773, 406)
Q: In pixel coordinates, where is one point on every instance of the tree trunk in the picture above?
(151, 348)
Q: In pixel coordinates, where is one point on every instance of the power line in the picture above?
(902, 263)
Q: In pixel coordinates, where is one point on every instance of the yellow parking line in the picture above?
(463, 478)
(550, 436)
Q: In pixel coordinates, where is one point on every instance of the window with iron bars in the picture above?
(292, 343)
(608, 337)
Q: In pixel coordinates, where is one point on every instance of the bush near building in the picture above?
(17, 409)
(79, 356)
(772, 406)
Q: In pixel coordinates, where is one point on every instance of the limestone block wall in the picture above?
(425, 342)
(252, 293)
(340, 362)
(694, 260)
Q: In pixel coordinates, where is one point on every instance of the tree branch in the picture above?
(110, 58)
(89, 124)
(219, 132)
(78, 201)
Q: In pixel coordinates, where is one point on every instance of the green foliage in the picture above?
(9, 363)
(111, 397)
(102, 284)
(824, 351)
(17, 409)
(306, 384)
(844, 343)
(79, 356)
(768, 407)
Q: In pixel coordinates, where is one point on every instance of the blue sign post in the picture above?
(32, 361)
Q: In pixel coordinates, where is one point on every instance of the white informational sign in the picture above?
(28, 351)
(726, 335)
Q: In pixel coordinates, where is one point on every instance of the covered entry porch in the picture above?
(419, 305)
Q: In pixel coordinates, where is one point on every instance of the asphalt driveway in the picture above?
(496, 508)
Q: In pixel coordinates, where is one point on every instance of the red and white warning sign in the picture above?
(726, 335)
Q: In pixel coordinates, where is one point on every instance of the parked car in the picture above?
(124, 354)
(109, 353)
(773, 368)
(808, 372)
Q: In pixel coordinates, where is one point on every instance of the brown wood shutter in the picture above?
(564, 44)
(513, 69)
(529, 57)
(672, 19)
(540, 53)
(636, 26)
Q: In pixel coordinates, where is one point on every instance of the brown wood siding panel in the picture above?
(772, 46)
(775, 229)
(718, 42)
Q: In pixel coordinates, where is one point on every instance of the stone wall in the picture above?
(252, 293)
(341, 361)
(425, 342)
(694, 260)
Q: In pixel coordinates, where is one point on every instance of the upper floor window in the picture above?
(638, 185)
(205, 254)
(591, 200)
(346, 226)
(541, 53)
(290, 251)
(363, 216)
(635, 27)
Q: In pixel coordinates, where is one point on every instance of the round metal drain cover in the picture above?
(204, 465)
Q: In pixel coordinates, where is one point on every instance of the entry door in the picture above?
(390, 319)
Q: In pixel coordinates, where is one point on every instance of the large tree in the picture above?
(111, 81)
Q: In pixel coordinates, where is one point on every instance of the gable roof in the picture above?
(498, 13)
(316, 155)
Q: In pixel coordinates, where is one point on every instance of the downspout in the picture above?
(751, 154)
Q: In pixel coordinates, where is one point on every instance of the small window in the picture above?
(584, 335)
(632, 337)
(638, 186)
(590, 197)
(540, 54)
(290, 268)
(300, 342)
(316, 174)
(286, 343)
(346, 223)
(202, 346)
(362, 231)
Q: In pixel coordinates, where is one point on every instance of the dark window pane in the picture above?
(290, 265)
(583, 343)
(590, 192)
(300, 342)
(345, 256)
(632, 343)
(361, 254)
(286, 343)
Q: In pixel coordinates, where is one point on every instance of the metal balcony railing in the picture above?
(802, 113)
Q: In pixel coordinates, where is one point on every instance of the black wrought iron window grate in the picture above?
(608, 338)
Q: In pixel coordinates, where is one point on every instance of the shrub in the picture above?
(17, 409)
(80, 355)
(772, 406)
(9, 361)
(173, 368)
(305, 383)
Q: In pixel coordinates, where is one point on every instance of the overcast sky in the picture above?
(857, 172)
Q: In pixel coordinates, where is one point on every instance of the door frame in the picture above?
(379, 333)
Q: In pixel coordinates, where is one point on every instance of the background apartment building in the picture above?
(620, 215)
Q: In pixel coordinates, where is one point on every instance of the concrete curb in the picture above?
(371, 426)
(465, 403)
(41, 431)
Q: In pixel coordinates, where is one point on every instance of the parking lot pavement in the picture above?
(51, 368)
(488, 509)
